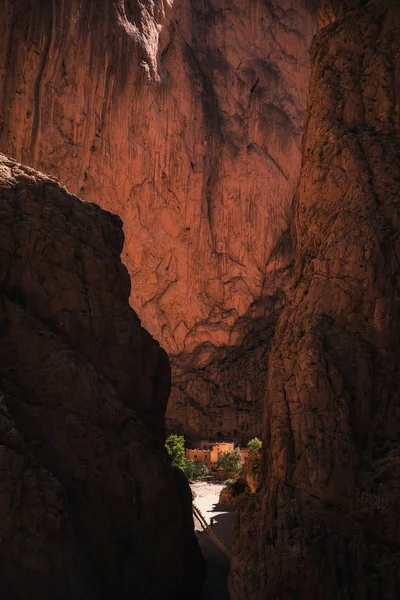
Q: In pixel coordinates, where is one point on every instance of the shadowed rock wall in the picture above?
(89, 505)
(185, 118)
(325, 524)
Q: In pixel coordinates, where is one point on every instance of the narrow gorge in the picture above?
(200, 211)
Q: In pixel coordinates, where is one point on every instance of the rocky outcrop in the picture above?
(185, 118)
(250, 472)
(326, 522)
(83, 394)
(246, 483)
(233, 495)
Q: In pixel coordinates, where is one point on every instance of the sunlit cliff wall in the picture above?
(185, 118)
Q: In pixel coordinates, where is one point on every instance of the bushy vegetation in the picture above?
(175, 445)
(231, 462)
(193, 469)
(254, 444)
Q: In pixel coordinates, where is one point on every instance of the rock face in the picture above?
(185, 118)
(83, 394)
(246, 482)
(216, 392)
(326, 522)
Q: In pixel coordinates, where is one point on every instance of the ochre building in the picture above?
(208, 452)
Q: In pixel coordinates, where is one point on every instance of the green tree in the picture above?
(175, 445)
(231, 461)
(254, 444)
(194, 469)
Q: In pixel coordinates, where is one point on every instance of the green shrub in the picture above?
(254, 444)
(194, 469)
(175, 445)
(231, 461)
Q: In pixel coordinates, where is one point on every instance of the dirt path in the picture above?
(206, 495)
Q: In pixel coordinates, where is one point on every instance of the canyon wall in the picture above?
(185, 118)
(217, 393)
(89, 504)
(326, 524)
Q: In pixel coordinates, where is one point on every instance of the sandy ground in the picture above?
(206, 495)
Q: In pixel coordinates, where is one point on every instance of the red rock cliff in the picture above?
(326, 522)
(89, 505)
(185, 118)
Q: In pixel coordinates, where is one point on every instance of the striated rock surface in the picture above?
(90, 507)
(185, 118)
(326, 522)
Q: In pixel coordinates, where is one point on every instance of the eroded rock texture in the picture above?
(217, 393)
(246, 483)
(185, 118)
(89, 505)
(326, 523)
